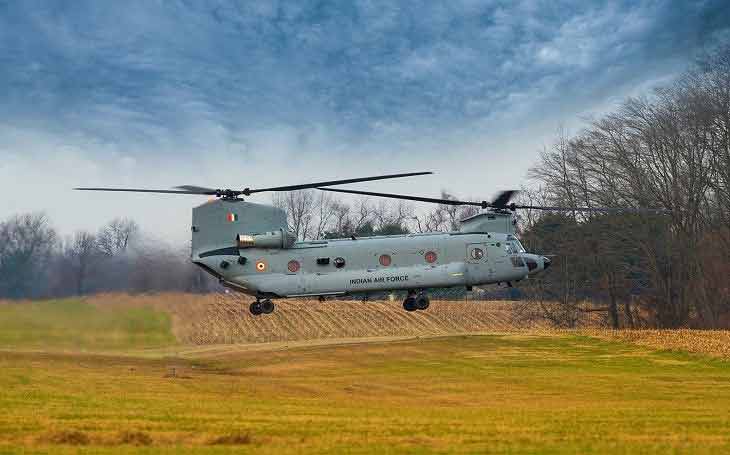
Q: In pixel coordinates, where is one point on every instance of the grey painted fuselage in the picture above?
(340, 266)
(266, 271)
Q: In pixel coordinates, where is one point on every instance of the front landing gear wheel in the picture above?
(255, 308)
(267, 306)
(409, 304)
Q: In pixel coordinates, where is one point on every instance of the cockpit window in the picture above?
(514, 247)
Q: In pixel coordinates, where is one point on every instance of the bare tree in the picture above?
(452, 213)
(326, 212)
(442, 218)
(300, 207)
(26, 245)
(362, 213)
(527, 219)
(82, 255)
(341, 226)
(116, 236)
(431, 221)
(392, 217)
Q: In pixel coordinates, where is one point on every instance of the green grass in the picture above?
(73, 324)
(461, 394)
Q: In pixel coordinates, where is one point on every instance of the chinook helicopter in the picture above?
(248, 248)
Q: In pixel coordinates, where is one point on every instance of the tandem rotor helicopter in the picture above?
(248, 248)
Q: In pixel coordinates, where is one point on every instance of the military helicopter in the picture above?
(248, 248)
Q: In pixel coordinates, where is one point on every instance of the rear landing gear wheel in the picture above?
(255, 308)
(409, 304)
(422, 302)
(267, 306)
(262, 307)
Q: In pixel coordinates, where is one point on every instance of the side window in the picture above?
(385, 260)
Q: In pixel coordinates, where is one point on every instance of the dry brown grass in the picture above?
(66, 437)
(80, 438)
(225, 319)
(710, 342)
(135, 438)
(215, 319)
(231, 439)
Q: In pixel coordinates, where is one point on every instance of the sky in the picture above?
(155, 94)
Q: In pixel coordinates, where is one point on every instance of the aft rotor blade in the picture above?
(482, 204)
(503, 198)
(139, 190)
(199, 189)
(305, 186)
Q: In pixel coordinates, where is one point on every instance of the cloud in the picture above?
(219, 92)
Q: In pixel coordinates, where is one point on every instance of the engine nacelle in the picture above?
(272, 239)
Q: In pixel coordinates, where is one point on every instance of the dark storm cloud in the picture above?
(233, 94)
(147, 71)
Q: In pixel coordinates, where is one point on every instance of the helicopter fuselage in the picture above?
(344, 266)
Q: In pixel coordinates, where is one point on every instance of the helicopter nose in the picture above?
(545, 262)
(530, 262)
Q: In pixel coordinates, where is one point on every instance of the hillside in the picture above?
(224, 318)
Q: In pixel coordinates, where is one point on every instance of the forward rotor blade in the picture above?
(305, 186)
(482, 204)
(138, 190)
(587, 209)
(504, 196)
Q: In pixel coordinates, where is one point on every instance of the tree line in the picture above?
(316, 215)
(668, 150)
(35, 261)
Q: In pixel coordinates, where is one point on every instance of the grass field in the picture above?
(78, 377)
(76, 325)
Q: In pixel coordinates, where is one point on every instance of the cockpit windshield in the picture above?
(513, 246)
(520, 248)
